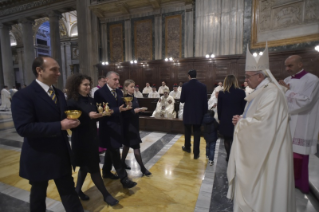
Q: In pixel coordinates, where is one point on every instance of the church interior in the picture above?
(151, 41)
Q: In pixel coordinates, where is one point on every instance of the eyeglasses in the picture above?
(248, 76)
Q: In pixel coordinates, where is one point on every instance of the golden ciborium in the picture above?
(103, 109)
(128, 100)
(72, 114)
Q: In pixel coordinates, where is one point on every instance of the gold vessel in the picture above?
(73, 114)
(128, 100)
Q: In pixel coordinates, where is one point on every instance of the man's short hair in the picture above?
(192, 73)
(100, 77)
(108, 74)
(5, 86)
(38, 62)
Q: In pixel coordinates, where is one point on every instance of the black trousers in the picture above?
(188, 133)
(113, 157)
(65, 186)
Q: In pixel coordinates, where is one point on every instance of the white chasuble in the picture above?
(154, 94)
(260, 169)
(5, 99)
(175, 95)
(165, 108)
(303, 103)
(161, 89)
(147, 90)
(138, 94)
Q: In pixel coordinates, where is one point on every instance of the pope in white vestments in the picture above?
(303, 101)
(260, 167)
(5, 99)
(165, 107)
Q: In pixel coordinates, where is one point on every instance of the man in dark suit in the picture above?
(38, 116)
(194, 95)
(110, 127)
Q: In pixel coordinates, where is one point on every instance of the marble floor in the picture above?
(178, 182)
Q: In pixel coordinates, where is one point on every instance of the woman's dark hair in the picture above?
(192, 73)
(73, 84)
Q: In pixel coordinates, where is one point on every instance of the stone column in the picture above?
(87, 39)
(1, 71)
(68, 58)
(54, 18)
(158, 36)
(63, 64)
(104, 42)
(128, 40)
(189, 32)
(21, 66)
(6, 54)
(28, 49)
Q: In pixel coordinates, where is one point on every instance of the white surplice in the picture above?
(138, 94)
(5, 99)
(181, 111)
(165, 108)
(154, 94)
(260, 169)
(179, 89)
(161, 89)
(147, 90)
(175, 95)
(303, 103)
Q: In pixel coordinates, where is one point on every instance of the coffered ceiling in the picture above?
(113, 8)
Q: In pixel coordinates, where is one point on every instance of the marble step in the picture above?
(314, 175)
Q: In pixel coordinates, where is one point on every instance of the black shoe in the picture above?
(127, 183)
(126, 166)
(196, 156)
(146, 172)
(83, 196)
(111, 176)
(110, 200)
(186, 150)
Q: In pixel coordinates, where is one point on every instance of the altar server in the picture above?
(175, 93)
(153, 93)
(303, 101)
(147, 89)
(260, 167)
(165, 107)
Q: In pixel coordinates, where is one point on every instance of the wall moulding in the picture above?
(276, 23)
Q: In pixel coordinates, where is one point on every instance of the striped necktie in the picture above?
(52, 95)
(114, 94)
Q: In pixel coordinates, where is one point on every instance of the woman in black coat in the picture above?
(230, 102)
(131, 128)
(85, 144)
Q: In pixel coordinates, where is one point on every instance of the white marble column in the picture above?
(21, 66)
(128, 40)
(6, 54)
(158, 36)
(28, 49)
(104, 42)
(189, 32)
(54, 18)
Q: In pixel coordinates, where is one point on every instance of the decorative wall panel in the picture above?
(173, 36)
(284, 22)
(143, 39)
(116, 42)
(209, 71)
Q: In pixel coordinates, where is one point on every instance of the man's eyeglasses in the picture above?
(248, 76)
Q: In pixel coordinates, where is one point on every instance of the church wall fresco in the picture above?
(173, 36)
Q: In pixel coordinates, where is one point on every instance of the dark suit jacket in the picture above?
(229, 104)
(110, 127)
(46, 151)
(194, 95)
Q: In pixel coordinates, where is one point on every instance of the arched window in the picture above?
(74, 30)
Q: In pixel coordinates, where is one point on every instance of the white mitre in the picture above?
(261, 63)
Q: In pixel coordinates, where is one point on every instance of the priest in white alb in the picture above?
(175, 93)
(180, 87)
(260, 168)
(5, 99)
(212, 102)
(153, 93)
(303, 101)
(165, 106)
(161, 88)
(147, 89)
(137, 92)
